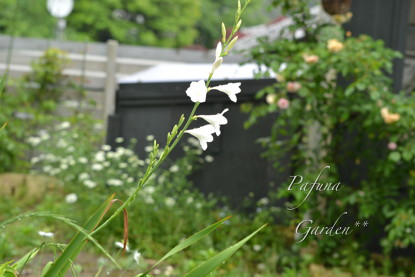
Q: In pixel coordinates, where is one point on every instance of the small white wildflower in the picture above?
(71, 149)
(123, 165)
(119, 244)
(106, 147)
(150, 138)
(218, 59)
(47, 168)
(90, 184)
(106, 164)
(71, 198)
(83, 160)
(130, 179)
(209, 158)
(83, 176)
(100, 156)
(97, 167)
(136, 256)
(115, 182)
(61, 143)
(34, 160)
(34, 141)
(141, 162)
(98, 126)
(64, 166)
(189, 200)
(45, 234)
(174, 168)
(263, 201)
(63, 125)
(149, 200)
(148, 148)
(119, 140)
(170, 202)
(169, 270)
(257, 247)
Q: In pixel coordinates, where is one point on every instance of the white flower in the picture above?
(170, 202)
(257, 247)
(123, 165)
(45, 234)
(106, 147)
(209, 158)
(115, 182)
(34, 160)
(97, 167)
(230, 89)
(83, 176)
(119, 140)
(197, 91)
(150, 138)
(83, 160)
(216, 120)
(174, 168)
(203, 134)
(100, 156)
(34, 141)
(149, 200)
(148, 148)
(136, 256)
(90, 184)
(121, 245)
(71, 198)
(218, 59)
(63, 125)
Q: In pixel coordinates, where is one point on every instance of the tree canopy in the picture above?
(162, 23)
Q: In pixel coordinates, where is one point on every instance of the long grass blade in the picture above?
(73, 249)
(187, 242)
(214, 262)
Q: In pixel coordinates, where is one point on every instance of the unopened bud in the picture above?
(231, 44)
(238, 25)
(223, 33)
(216, 64)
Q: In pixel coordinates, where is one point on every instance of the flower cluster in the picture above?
(198, 92)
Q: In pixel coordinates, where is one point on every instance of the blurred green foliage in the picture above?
(162, 23)
(27, 105)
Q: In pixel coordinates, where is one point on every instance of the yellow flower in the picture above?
(389, 118)
(334, 45)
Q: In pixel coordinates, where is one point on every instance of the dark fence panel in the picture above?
(237, 170)
(386, 20)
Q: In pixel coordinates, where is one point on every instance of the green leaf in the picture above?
(395, 156)
(186, 243)
(63, 263)
(19, 265)
(211, 264)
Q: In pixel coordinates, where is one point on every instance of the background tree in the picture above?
(162, 23)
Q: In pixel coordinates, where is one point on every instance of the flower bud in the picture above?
(223, 33)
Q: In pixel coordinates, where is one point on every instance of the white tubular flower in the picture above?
(203, 134)
(218, 59)
(197, 91)
(216, 120)
(230, 89)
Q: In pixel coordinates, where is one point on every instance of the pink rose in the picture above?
(392, 145)
(283, 103)
(293, 86)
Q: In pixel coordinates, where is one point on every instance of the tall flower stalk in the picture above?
(197, 92)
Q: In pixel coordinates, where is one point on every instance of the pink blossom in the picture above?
(392, 145)
(293, 86)
(283, 103)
